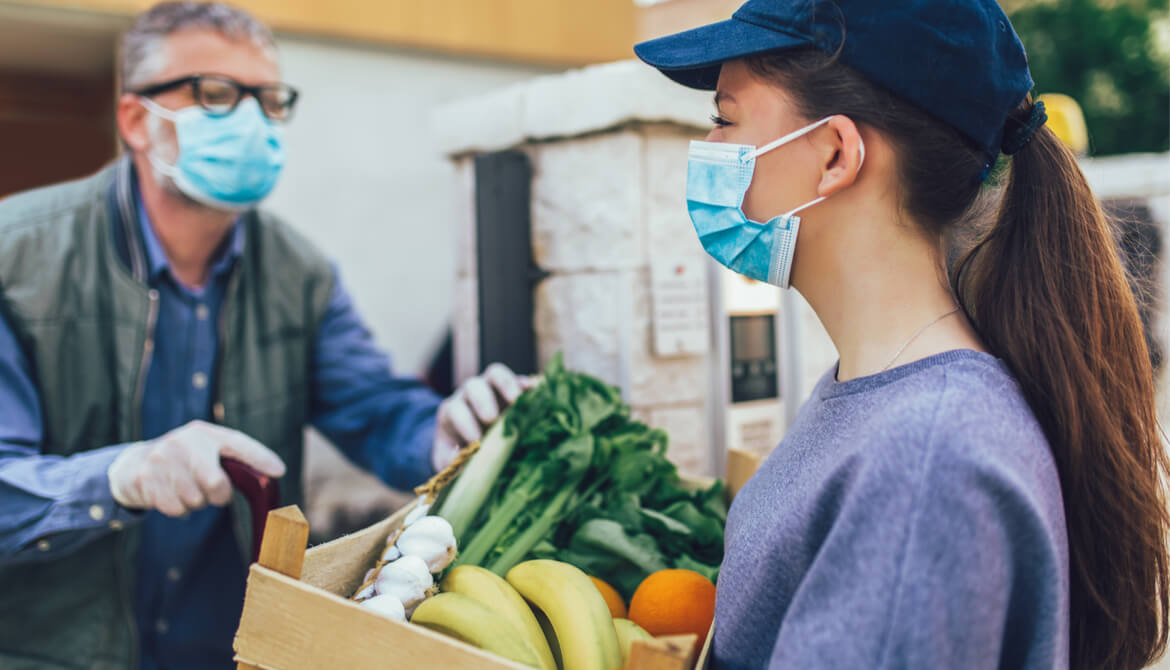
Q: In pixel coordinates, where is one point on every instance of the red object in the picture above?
(261, 491)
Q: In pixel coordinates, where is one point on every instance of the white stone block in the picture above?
(586, 203)
(571, 104)
(669, 228)
(487, 122)
(690, 440)
(465, 240)
(576, 314)
(654, 380)
(609, 95)
(465, 329)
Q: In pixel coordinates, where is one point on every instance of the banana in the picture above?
(627, 632)
(465, 618)
(498, 595)
(551, 636)
(578, 613)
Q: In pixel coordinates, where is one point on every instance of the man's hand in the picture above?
(180, 472)
(474, 406)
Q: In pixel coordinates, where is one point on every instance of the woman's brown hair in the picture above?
(1045, 289)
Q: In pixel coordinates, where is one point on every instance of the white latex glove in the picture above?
(180, 472)
(472, 408)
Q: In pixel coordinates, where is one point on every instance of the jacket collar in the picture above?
(127, 221)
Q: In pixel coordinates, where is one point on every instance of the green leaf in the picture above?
(664, 524)
(685, 562)
(706, 530)
(604, 535)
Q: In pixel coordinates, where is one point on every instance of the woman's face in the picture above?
(753, 112)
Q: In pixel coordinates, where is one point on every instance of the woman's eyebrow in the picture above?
(721, 96)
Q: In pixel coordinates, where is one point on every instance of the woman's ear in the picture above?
(843, 151)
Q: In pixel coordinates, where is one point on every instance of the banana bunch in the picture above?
(544, 614)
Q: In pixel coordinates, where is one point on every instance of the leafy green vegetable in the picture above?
(566, 474)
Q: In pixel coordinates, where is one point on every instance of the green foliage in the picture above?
(1103, 53)
(586, 485)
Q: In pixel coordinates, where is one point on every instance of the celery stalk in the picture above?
(469, 492)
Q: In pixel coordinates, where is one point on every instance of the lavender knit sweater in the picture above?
(911, 519)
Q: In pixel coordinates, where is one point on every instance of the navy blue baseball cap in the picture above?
(958, 60)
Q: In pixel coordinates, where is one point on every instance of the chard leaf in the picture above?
(661, 523)
(604, 535)
(593, 408)
(685, 562)
(706, 530)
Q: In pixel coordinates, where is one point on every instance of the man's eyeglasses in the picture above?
(220, 95)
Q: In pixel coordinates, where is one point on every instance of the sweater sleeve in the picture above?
(959, 575)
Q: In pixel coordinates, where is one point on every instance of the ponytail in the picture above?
(1047, 292)
(1045, 289)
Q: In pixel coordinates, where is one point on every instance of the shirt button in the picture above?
(199, 380)
(116, 525)
(201, 312)
(161, 626)
(44, 545)
(96, 512)
(174, 574)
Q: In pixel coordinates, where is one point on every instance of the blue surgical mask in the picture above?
(718, 177)
(229, 162)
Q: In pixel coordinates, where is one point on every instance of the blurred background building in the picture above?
(371, 177)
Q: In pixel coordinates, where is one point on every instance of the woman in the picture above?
(976, 484)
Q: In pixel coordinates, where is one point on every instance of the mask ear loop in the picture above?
(860, 162)
(786, 139)
(158, 110)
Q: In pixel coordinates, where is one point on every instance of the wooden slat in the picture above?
(289, 625)
(676, 652)
(705, 654)
(286, 535)
(741, 465)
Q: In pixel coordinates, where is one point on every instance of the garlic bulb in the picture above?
(387, 606)
(407, 579)
(365, 594)
(431, 539)
(420, 511)
(391, 554)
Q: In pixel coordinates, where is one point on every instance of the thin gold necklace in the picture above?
(915, 336)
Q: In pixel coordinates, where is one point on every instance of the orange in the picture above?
(617, 606)
(674, 602)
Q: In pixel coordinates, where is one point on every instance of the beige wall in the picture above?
(551, 32)
(676, 15)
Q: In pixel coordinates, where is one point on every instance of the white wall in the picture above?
(366, 183)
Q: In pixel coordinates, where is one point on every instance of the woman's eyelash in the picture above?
(719, 121)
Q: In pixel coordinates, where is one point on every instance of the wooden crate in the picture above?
(298, 616)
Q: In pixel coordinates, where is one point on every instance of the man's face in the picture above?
(187, 53)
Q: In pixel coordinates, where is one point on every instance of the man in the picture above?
(152, 321)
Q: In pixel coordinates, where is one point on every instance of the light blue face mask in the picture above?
(718, 177)
(229, 162)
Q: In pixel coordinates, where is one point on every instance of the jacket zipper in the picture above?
(218, 412)
(144, 366)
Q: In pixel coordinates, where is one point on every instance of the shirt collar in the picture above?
(156, 259)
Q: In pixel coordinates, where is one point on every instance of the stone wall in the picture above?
(603, 205)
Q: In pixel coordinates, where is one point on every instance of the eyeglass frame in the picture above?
(244, 89)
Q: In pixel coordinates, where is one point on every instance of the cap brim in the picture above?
(693, 57)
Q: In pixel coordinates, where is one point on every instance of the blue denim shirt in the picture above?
(191, 576)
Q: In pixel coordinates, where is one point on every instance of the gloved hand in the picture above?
(180, 472)
(474, 406)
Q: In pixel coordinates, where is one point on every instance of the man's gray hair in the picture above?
(142, 46)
